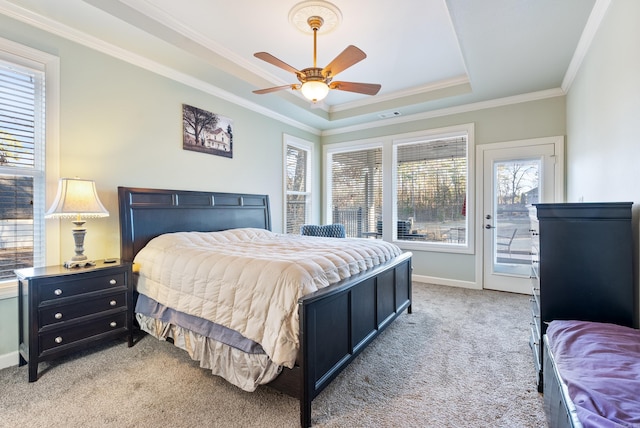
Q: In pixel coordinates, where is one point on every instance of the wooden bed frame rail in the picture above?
(336, 323)
(558, 406)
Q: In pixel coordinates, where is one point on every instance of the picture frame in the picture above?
(206, 132)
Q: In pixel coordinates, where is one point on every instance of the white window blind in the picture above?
(431, 190)
(356, 191)
(298, 206)
(21, 167)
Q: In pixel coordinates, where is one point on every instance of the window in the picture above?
(356, 191)
(297, 175)
(431, 190)
(22, 157)
(425, 178)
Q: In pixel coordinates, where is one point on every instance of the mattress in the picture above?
(600, 364)
(249, 280)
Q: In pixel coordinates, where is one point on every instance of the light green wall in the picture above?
(603, 116)
(121, 125)
(541, 118)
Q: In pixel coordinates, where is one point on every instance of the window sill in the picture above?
(431, 247)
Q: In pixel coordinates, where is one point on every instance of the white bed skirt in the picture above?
(246, 371)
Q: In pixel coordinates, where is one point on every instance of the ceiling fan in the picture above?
(316, 82)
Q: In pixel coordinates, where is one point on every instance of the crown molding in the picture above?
(167, 21)
(482, 105)
(443, 84)
(588, 34)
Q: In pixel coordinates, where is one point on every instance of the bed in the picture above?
(591, 375)
(334, 323)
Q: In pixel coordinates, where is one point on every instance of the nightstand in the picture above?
(62, 310)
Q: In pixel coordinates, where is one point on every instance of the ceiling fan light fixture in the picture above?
(315, 82)
(314, 90)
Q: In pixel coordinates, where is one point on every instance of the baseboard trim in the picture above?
(8, 360)
(446, 281)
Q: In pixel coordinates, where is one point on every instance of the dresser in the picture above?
(582, 267)
(61, 310)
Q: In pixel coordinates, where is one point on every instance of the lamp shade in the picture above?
(314, 90)
(75, 198)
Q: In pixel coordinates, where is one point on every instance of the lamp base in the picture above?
(78, 263)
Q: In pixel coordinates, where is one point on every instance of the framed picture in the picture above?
(206, 132)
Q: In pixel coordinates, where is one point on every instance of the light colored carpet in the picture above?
(461, 359)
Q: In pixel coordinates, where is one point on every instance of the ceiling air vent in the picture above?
(389, 114)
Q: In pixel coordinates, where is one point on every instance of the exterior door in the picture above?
(515, 176)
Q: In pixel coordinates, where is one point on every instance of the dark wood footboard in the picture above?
(338, 322)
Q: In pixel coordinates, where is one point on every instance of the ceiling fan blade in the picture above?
(346, 59)
(275, 61)
(275, 88)
(361, 88)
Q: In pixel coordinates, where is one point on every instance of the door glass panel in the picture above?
(517, 184)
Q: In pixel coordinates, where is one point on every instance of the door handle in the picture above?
(489, 227)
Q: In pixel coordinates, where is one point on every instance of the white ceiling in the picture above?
(429, 56)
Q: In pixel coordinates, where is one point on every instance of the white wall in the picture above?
(603, 114)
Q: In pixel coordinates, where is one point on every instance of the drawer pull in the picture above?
(113, 303)
(113, 324)
(112, 282)
(58, 316)
(58, 339)
(57, 292)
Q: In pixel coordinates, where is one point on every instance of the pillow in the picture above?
(336, 230)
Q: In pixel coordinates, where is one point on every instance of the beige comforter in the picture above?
(250, 280)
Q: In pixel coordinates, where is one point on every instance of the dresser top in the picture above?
(585, 210)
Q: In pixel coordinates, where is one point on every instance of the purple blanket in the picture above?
(600, 364)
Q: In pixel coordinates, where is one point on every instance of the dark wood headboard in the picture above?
(147, 213)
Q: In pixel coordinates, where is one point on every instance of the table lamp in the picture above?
(77, 199)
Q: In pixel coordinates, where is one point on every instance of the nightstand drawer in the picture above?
(113, 323)
(54, 314)
(72, 287)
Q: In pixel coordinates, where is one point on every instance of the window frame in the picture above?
(428, 135)
(389, 185)
(300, 144)
(27, 57)
(329, 151)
